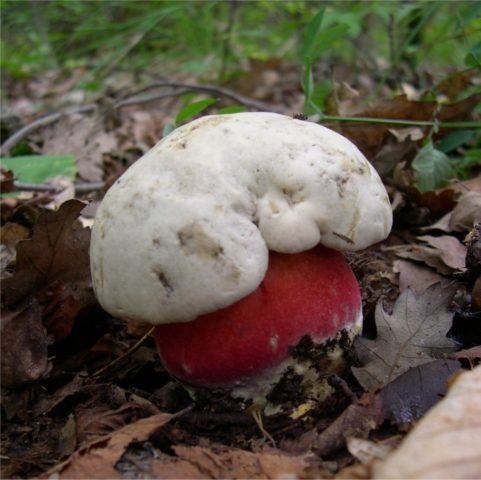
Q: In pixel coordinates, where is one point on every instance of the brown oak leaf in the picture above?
(414, 334)
(57, 252)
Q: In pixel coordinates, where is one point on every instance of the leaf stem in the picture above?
(407, 123)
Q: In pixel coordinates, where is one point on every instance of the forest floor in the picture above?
(84, 394)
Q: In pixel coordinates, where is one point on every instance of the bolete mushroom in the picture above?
(226, 235)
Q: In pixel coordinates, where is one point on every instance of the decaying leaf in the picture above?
(221, 462)
(357, 420)
(98, 458)
(466, 213)
(24, 345)
(403, 400)
(10, 234)
(413, 334)
(412, 394)
(446, 253)
(114, 456)
(445, 443)
(366, 451)
(57, 252)
(451, 251)
(84, 138)
(370, 138)
(417, 277)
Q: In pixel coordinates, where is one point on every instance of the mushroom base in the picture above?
(300, 383)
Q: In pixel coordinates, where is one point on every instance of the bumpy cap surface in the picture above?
(187, 229)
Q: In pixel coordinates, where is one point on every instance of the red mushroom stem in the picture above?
(313, 294)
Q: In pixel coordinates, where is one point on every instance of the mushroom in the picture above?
(226, 236)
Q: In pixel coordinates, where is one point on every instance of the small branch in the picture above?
(225, 92)
(406, 123)
(132, 349)
(130, 100)
(39, 123)
(42, 187)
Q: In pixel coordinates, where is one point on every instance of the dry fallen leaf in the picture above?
(24, 345)
(57, 252)
(366, 451)
(467, 212)
(446, 442)
(222, 462)
(370, 138)
(451, 251)
(416, 277)
(10, 234)
(413, 334)
(357, 420)
(412, 394)
(98, 458)
(446, 253)
(83, 137)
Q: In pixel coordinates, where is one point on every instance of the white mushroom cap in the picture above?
(187, 229)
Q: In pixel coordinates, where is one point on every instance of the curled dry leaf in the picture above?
(451, 251)
(412, 335)
(411, 133)
(403, 400)
(445, 443)
(111, 456)
(57, 252)
(24, 345)
(367, 451)
(467, 210)
(98, 458)
(370, 138)
(222, 462)
(446, 253)
(466, 213)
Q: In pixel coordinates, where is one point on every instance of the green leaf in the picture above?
(454, 140)
(473, 58)
(463, 166)
(193, 109)
(39, 168)
(433, 168)
(326, 39)
(311, 33)
(232, 109)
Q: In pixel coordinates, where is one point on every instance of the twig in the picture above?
(128, 101)
(407, 123)
(41, 122)
(43, 187)
(225, 92)
(132, 349)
